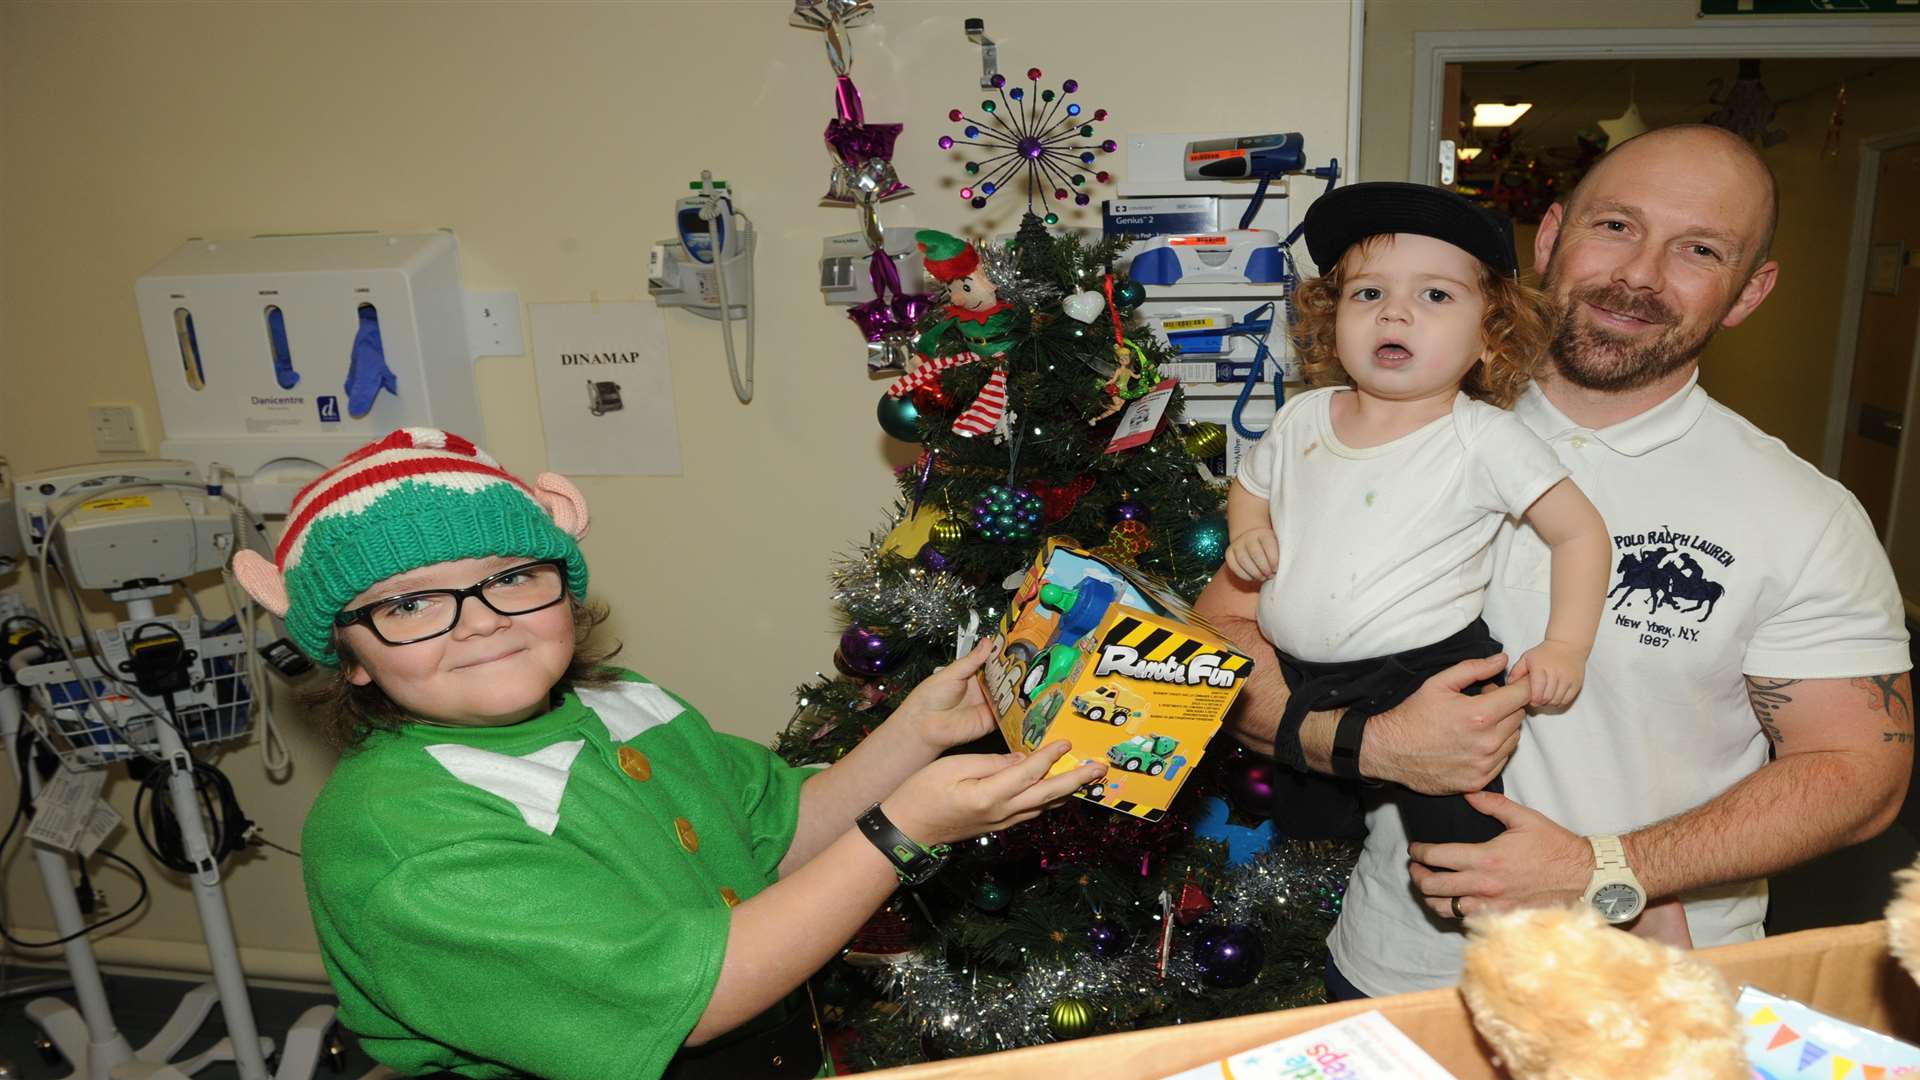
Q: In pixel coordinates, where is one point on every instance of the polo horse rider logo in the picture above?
(1668, 577)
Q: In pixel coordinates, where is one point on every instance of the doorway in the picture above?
(1881, 345)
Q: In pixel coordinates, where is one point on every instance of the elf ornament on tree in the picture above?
(983, 321)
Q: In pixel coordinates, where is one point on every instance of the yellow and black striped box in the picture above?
(1118, 665)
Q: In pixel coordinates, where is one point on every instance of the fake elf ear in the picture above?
(563, 502)
(262, 580)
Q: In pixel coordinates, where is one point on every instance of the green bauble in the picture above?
(1206, 440)
(1204, 540)
(989, 895)
(948, 532)
(1128, 295)
(900, 418)
(1070, 1018)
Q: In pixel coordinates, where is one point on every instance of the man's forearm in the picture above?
(1793, 809)
(1231, 607)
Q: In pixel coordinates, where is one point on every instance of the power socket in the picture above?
(116, 429)
(493, 324)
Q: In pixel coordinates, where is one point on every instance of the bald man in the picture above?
(1746, 705)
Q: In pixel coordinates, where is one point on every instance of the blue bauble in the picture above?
(933, 558)
(900, 418)
(1204, 540)
(1105, 939)
(1229, 955)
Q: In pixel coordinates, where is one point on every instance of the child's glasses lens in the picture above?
(421, 615)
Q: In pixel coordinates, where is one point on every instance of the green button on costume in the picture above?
(529, 899)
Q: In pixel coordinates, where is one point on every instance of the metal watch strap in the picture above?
(1345, 758)
(912, 861)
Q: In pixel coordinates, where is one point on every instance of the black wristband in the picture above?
(1346, 744)
(912, 861)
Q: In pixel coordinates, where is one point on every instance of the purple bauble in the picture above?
(933, 558)
(1129, 511)
(1250, 786)
(1229, 955)
(867, 652)
(1105, 939)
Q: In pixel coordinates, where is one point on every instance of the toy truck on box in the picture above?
(1087, 646)
(1143, 753)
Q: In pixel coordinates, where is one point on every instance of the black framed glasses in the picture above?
(428, 613)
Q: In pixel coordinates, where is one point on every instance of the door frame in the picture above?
(1866, 192)
(1433, 50)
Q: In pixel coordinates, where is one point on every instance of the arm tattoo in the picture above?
(1768, 697)
(1892, 695)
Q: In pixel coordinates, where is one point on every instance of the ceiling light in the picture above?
(1497, 115)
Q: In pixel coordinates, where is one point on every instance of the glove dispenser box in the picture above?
(274, 356)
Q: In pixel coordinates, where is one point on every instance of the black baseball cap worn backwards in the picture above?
(1345, 216)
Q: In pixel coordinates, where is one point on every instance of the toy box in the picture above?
(1118, 665)
(1845, 972)
(1788, 1039)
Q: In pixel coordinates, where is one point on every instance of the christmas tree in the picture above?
(1084, 920)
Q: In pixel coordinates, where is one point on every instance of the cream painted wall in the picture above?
(552, 138)
(1776, 369)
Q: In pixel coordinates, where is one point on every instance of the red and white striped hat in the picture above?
(417, 497)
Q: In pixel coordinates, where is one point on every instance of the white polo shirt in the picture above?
(1732, 557)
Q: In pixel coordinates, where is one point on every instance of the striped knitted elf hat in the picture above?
(417, 497)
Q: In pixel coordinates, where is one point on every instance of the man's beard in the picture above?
(1593, 358)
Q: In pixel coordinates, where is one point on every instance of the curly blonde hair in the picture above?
(1515, 327)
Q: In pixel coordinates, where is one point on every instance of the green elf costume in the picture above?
(983, 321)
(548, 898)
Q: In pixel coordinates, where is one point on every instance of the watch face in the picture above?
(1617, 901)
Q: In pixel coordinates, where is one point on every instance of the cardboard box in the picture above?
(1363, 1047)
(1844, 971)
(1118, 665)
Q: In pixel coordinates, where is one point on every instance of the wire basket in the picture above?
(216, 708)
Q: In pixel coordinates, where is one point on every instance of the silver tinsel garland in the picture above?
(1009, 286)
(877, 589)
(974, 1012)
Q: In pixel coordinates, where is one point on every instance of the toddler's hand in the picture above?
(948, 708)
(962, 796)
(1554, 671)
(1254, 555)
(1664, 921)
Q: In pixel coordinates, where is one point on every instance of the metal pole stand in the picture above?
(87, 1037)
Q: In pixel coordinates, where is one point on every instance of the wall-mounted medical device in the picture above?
(117, 529)
(274, 356)
(708, 267)
(846, 275)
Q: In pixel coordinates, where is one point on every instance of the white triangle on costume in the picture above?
(630, 708)
(533, 784)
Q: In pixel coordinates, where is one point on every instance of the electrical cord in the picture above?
(227, 825)
(23, 809)
(275, 756)
(712, 213)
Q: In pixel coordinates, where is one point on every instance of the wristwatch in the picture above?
(912, 861)
(1613, 890)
